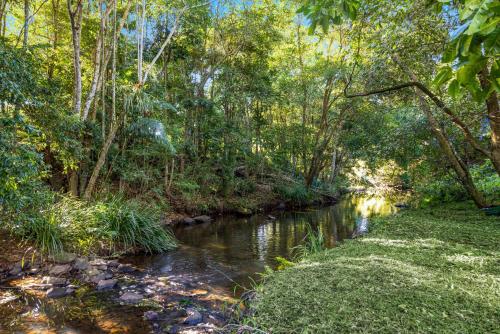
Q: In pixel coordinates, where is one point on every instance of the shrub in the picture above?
(294, 192)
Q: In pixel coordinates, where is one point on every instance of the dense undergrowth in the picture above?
(432, 270)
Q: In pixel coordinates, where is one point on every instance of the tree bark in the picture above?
(493, 117)
(97, 59)
(76, 31)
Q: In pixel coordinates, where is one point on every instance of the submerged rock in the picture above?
(131, 297)
(60, 269)
(106, 284)
(125, 268)
(193, 317)
(59, 292)
(202, 219)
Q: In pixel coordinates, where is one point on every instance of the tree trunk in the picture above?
(97, 60)
(494, 119)
(457, 164)
(76, 31)
(100, 161)
(26, 22)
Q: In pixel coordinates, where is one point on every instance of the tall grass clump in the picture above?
(314, 242)
(44, 232)
(112, 225)
(130, 226)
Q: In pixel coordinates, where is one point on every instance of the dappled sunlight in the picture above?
(417, 243)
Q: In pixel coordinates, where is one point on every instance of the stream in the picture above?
(210, 269)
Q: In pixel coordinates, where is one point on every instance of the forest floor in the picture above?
(434, 270)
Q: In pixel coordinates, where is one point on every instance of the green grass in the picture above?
(434, 270)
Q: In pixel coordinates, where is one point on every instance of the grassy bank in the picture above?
(420, 271)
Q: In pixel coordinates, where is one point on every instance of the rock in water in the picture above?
(106, 284)
(60, 269)
(131, 297)
(58, 292)
(125, 268)
(194, 317)
(151, 315)
(202, 219)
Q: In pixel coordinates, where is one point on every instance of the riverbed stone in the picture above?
(106, 284)
(202, 219)
(54, 280)
(151, 315)
(81, 264)
(131, 297)
(16, 269)
(97, 278)
(193, 317)
(125, 268)
(61, 269)
(97, 262)
(58, 292)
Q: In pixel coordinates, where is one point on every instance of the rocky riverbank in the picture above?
(167, 305)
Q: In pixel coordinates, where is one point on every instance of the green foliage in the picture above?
(327, 12)
(296, 193)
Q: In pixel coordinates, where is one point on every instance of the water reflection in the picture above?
(232, 250)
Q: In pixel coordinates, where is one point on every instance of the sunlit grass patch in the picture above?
(420, 271)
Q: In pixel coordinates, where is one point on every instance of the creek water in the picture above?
(214, 260)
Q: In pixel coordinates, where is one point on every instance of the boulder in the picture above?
(106, 284)
(202, 219)
(61, 269)
(59, 292)
(81, 264)
(54, 280)
(131, 297)
(193, 317)
(64, 257)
